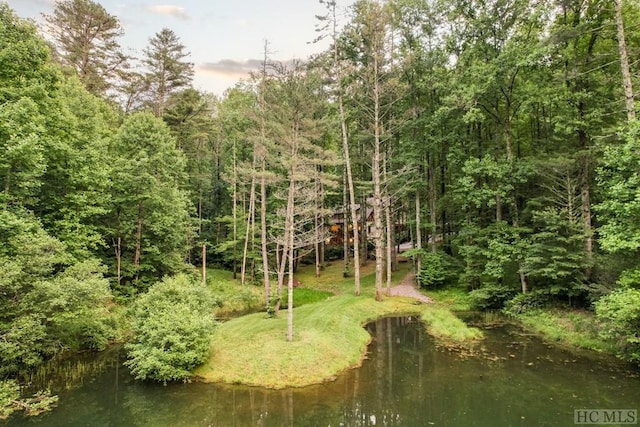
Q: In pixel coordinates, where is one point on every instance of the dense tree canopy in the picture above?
(495, 134)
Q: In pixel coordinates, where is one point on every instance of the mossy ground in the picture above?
(328, 335)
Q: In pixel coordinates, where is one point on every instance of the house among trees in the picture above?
(341, 216)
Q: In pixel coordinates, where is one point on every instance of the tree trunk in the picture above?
(418, 241)
(290, 294)
(316, 225)
(250, 222)
(352, 198)
(585, 195)
(378, 237)
(345, 228)
(119, 260)
(433, 218)
(389, 242)
(263, 235)
(624, 64)
(289, 227)
(138, 250)
(235, 213)
(364, 241)
(263, 184)
(204, 263)
(394, 240)
(389, 225)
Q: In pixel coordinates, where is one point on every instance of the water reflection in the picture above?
(407, 380)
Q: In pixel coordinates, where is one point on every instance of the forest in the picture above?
(498, 138)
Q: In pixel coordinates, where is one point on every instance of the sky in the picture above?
(226, 38)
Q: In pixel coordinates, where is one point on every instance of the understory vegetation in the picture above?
(172, 325)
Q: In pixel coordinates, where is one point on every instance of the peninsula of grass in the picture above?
(442, 324)
(328, 336)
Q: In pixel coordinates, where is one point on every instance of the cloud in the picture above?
(170, 10)
(231, 68)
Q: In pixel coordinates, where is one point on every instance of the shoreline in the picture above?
(329, 338)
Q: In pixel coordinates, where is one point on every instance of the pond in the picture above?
(408, 379)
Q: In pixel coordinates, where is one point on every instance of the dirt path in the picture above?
(407, 288)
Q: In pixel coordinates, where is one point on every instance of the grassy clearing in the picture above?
(328, 335)
(304, 296)
(331, 279)
(570, 327)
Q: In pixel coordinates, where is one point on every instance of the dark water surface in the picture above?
(514, 379)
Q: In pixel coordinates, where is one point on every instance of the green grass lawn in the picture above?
(331, 278)
(328, 335)
(328, 338)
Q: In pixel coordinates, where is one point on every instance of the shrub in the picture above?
(522, 303)
(46, 314)
(490, 297)
(437, 270)
(334, 252)
(172, 326)
(630, 278)
(9, 394)
(10, 400)
(619, 313)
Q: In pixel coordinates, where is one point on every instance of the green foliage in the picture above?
(230, 296)
(490, 253)
(150, 212)
(230, 250)
(24, 59)
(22, 161)
(438, 269)
(554, 256)
(49, 303)
(491, 297)
(483, 179)
(79, 298)
(619, 179)
(168, 71)
(9, 393)
(619, 314)
(522, 303)
(555, 248)
(85, 36)
(630, 278)
(272, 306)
(10, 400)
(578, 328)
(172, 326)
(75, 196)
